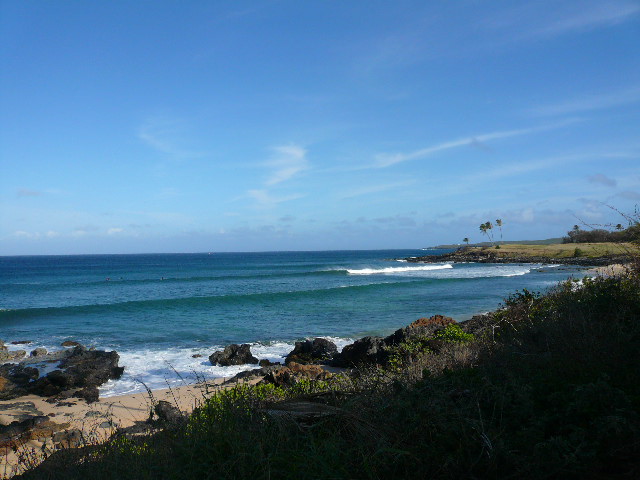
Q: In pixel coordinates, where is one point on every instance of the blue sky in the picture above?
(164, 126)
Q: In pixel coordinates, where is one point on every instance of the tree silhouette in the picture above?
(466, 240)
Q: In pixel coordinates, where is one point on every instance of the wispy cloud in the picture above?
(540, 20)
(592, 102)
(166, 135)
(588, 15)
(266, 200)
(602, 180)
(287, 162)
(387, 159)
(367, 190)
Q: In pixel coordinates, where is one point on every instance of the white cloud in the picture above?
(288, 161)
(114, 231)
(386, 160)
(373, 189)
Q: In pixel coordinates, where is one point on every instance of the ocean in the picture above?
(159, 310)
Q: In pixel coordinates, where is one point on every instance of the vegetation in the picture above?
(546, 387)
(600, 235)
(486, 229)
(589, 250)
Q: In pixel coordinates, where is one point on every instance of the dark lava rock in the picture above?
(376, 350)
(81, 369)
(480, 324)
(38, 352)
(294, 372)
(423, 327)
(252, 374)
(196, 355)
(233, 354)
(21, 342)
(168, 412)
(267, 363)
(11, 356)
(318, 350)
(364, 350)
(90, 394)
(70, 343)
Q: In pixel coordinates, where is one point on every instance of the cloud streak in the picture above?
(386, 160)
(166, 135)
(288, 161)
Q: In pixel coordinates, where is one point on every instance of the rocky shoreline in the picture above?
(36, 410)
(494, 256)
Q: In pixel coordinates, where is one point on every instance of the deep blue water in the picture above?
(157, 310)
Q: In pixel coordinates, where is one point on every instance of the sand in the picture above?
(98, 420)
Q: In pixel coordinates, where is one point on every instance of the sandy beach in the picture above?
(96, 421)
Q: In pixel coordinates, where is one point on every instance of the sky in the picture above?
(170, 126)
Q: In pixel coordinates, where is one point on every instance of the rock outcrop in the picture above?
(318, 350)
(294, 372)
(80, 372)
(376, 350)
(233, 354)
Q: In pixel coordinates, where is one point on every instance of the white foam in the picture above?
(395, 270)
(158, 369)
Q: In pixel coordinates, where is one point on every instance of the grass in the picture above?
(560, 250)
(546, 387)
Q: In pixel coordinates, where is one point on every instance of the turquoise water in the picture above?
(158, 310)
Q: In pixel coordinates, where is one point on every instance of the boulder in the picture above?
(168, 413)
(233, 354)
(38, 352)
(81, 369)
(90, 394)
(318, 350)
(366, 350)
(293, 373)
(375, 350)
(15, 380)
(267, 363)
(11, 356)
(423, 327)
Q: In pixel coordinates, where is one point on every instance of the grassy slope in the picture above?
(561, 250)
(547, 388)
(547, 241)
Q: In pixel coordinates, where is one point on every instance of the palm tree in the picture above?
(486, 229)
(499, 223)
(466, 240)
(489, 232)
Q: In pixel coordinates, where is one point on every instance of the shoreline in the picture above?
(98, 420)
(95, 421)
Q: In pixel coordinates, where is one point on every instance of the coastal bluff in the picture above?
(589, 254)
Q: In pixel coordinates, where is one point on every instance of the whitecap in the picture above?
(393, 270)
